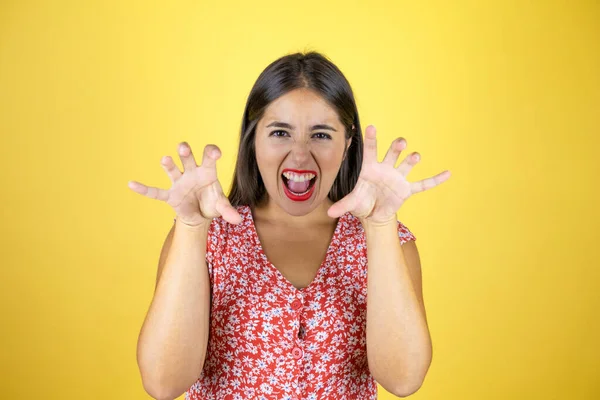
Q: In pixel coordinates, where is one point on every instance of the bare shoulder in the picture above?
(411, 255)
(413, 264)
(163, 253)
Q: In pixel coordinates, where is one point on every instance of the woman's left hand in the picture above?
(381, 187)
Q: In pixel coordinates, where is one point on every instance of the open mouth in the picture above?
(299, 188)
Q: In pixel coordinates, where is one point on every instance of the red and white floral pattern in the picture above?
(270, 340)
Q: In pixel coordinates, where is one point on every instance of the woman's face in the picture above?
(299, 143)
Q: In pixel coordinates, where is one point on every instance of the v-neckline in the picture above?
(330, 250)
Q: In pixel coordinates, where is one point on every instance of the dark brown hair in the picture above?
(310, 70)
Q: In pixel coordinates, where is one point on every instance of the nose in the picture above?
(300, 152)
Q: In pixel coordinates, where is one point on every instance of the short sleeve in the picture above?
(404, 233)
(216, 247)
(215, 241)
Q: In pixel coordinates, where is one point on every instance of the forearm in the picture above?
(398, 341)
(173, 339)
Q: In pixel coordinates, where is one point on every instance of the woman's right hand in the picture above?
(196, 194)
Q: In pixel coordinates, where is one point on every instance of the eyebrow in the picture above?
(278, 124)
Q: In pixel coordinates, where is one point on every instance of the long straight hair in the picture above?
(310, 70)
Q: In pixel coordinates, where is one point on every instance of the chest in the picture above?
(296, 253)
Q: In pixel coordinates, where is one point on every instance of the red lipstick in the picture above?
(296, 196)
(300, 171)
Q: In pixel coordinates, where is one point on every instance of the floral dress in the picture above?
(271, 340)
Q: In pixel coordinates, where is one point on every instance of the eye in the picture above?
(319, 135)
(276, 133)
(323, 135)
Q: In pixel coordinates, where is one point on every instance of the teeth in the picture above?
(298, 177)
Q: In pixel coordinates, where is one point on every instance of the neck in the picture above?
(268, 211)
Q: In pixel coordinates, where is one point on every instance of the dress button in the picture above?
(296, 304)
(297, 353)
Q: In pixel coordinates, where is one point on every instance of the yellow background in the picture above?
(504, 94)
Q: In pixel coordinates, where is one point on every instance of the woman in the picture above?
(263, 294)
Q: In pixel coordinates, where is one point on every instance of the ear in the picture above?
(349, 142)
